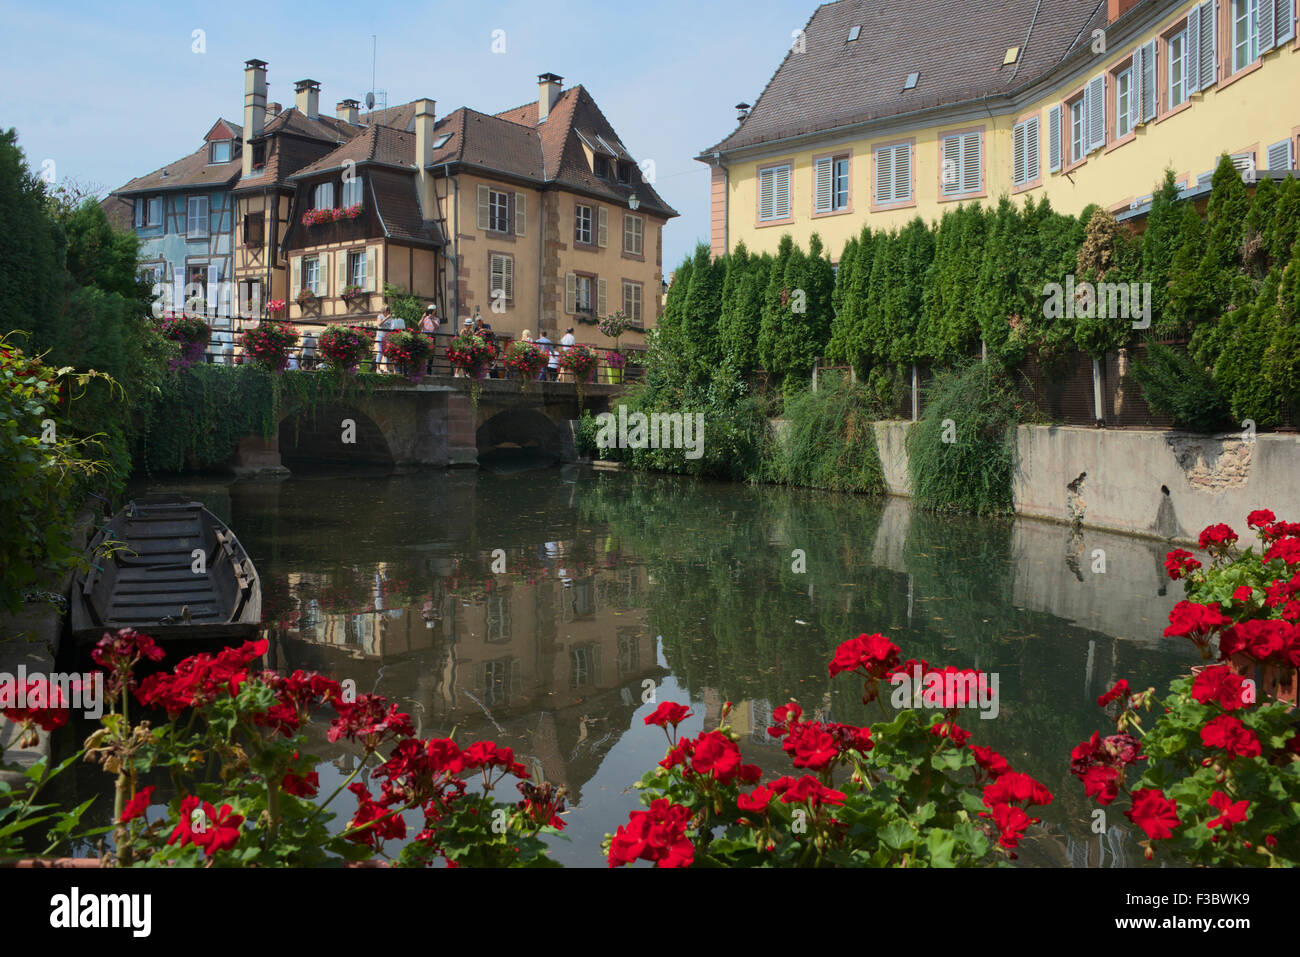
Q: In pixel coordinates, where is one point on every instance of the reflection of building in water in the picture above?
(553, 669)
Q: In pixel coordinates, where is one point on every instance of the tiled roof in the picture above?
(377, 144)
(399, 208)
(119, 210)
(192, 172)
(322, 127)
(957, 48)
(564, 159)
(493, 143)
(400, 117)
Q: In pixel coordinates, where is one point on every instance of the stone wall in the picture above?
(1166, 485)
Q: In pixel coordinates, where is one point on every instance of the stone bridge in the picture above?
(433, 423)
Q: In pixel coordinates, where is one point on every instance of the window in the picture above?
(219, 151)
(602, 167)
(501, 277)
(499, 212)
(148, 211)
(583, 289)
(1078, 140)
(152, 274)
(357, 268)
(254, 229)
(831, 184)
(324, 196)
(774, 193)
(352, 191)
(582, 226)
(893, 174)
(632, 301)
(1245, 33)
(960, 172)
(1094, 113)
(311, 272)
(196, 274)
(1024, 152)
(259, 155)
(1178, 69)
(633, 234)
(197, 216)
(1124, 94)
(624, 172)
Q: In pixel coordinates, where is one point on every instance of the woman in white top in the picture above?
(387, 323)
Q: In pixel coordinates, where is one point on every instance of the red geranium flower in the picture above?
(1011, 822)
(1260, 517)
(1180, 563)
(137, 805)
(1013, 788)
(1231, 735)
(1120, 690)
(667, 713)
(1219, 684)
(988, 759)
(757, 800)
(874, 654)
(304, 786)
(1101, 782)
(1231, 813)
(658, 835)
(1154, 813)
(1217, 536)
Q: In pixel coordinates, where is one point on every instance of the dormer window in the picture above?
(219, 151)
(624, 172)
(259, 155)
(324, 196)
(602, 167)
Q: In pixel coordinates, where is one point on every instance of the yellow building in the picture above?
(884, 112)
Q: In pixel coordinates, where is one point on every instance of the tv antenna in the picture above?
(374, 49)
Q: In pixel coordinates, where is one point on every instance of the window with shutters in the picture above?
(1078, 131)
(584, 294)
(961, 164)
(632, 301)
(892, 166)
(633, 235)
(1176, 59)
(831, 184)
(311, 272)
(774, 194)
(357, 268)
(1025, 166)
(154, 217)
(1245, 33)
(583, 231)
(501, 277)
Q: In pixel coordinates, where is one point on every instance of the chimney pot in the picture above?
(348, 111)
(254, 108)
(425, 119)
(308, 98)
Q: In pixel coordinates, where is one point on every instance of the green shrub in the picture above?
(829, 441)
(961, 455)
(1174, 385)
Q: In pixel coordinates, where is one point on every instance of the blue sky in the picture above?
(113, 91)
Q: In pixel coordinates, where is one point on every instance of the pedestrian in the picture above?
(567, 342)
(553, 363)
(308, 360)
(387, 323)
(429, 326)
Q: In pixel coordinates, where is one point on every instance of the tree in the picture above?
(1286, 221)
(999, 300)
(775, 299)
(1160, 244)
(703, 309)
(1191, 302)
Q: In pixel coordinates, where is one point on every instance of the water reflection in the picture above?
(544, 609)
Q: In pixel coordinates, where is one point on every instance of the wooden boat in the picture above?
(153, 580)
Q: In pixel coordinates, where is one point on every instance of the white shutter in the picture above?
(602, 226)
(601, 288)
(343, 256)
(1280, 156)
(765, 181)
(781, 193)
(323, 275)
(1033, 164)
(197, 217)
(372, 269)
(822, 187)
(508, 276)
(1054, 139)
(971, 166)
(1283, 20)
(1267, 25)
(1018, 163)
(139, 212)
(212, 295)
(295, 277)
(1192, 50)
(1149, 75)
(484, 197)
(902, 173)
(570, 293)
(1134, 90)
(1096, 110)
(950, 173)
(884, 177)
(521, 213)
(1208, 63)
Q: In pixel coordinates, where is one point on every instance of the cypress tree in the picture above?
(999, 300)
(1259, 220)
(703, 308)
(1190, 303)
(775, 298)
(839, 347)
(856, 303)
(1282, 359)
(1286, 221)
(914, 252)
(1159, 245)
(736, 263)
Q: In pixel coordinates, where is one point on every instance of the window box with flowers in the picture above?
(276, 308)
(319, 217)
(354, 294)
(308, 300)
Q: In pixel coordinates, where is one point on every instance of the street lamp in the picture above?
(633, 203)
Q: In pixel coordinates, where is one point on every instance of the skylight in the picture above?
(441, 141)
(853, 33)
(910, 82)
(1013, 54)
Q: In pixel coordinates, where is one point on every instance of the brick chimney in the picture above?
(308, 98)
(348, 111)
(1117, 8)
(254, 108)
(548, 91)
(424, 121)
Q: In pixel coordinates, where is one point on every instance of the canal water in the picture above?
(549, 610)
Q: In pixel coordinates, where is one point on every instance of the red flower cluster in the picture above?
(42, 706)
(1100, 764)
(1007, 797)
(1221, 685)
(137, 805)
(200, 678)
(371, 720)
(713, 755)
(1260, 518)
(1156, 814)
(1232, 736)
(1120, 690)
(658, 835)
(204, 826)
(669, 712)
(875, 655)
(1180, 563)
(817, 745)
(805, 790)
(1217, 537)
(1196, 623)
(375, 820)
(1270, 639)
(118, 654)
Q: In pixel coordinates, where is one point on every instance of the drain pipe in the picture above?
(455, 247)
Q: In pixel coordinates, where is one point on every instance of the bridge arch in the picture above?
(332, 433)
(523, 429)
